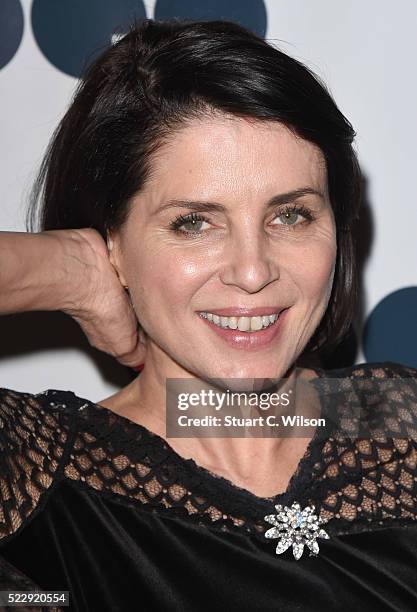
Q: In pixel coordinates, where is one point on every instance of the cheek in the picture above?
(168, 279)
(314, 271)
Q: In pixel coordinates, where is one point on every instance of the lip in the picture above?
(245, 312)
(249, 341)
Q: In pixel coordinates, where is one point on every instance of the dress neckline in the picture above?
(298, 480)
(220, 485)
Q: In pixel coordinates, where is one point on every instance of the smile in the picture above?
(244, 324)
(247, 333)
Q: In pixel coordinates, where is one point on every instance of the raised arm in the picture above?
(41, 271)
(70, 270)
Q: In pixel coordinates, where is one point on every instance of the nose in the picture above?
(250, 262)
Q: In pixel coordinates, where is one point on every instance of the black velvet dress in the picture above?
(99, 506)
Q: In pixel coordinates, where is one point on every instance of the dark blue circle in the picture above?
(251, 15)
(390, 333)
(71, 33)
(11, 29)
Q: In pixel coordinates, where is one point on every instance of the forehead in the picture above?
(236, 159)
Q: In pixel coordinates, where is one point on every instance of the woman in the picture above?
(204, 184)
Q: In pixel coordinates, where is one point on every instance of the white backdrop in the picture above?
(365, 51)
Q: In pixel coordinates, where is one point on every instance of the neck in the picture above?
(246, 461)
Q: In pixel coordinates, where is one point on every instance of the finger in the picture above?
(135, 356)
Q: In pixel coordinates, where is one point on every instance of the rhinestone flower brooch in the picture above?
(296, 527)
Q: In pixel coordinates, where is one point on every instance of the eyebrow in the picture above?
(202, 206)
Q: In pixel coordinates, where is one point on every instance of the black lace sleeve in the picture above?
(372, 478)
(32, 444)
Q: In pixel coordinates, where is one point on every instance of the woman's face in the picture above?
(247, 249)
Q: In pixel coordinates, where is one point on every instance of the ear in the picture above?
(113, 248)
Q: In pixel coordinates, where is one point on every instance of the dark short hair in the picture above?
(156, 78)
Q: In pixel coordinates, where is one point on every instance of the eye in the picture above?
(290, 213)
(193, 221)
(191, 225)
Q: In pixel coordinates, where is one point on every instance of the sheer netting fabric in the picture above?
(356, 483)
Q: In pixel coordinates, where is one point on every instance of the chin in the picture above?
(248, 373)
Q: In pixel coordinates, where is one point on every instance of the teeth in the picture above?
(256, 323)
(246, 324)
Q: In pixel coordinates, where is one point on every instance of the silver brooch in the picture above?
(296, 527)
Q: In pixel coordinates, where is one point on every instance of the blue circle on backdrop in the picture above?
(71, 33)
(390, 333)
(11, 29)
(251, 15)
